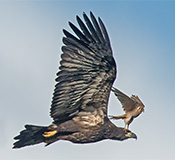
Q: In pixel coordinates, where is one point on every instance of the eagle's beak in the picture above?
(134, 136)
(131, 135)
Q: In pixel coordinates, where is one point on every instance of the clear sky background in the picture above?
(143, 40)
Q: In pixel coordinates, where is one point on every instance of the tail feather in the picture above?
(30, 136)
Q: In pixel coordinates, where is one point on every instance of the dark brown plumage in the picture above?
(80, 99)
(132, 106)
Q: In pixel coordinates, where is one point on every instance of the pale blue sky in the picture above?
(142, 35)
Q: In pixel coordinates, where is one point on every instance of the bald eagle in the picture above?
(83, 85)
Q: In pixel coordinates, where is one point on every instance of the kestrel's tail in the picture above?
(30, 136)
(118, 117)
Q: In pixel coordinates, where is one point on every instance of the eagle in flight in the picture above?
(83, 85)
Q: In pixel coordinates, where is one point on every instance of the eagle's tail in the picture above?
(30, 136)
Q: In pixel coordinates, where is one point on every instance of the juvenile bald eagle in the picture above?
(80, 99)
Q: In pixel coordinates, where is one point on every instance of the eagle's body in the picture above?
(71, 131)
(80, 133)
(80, 99)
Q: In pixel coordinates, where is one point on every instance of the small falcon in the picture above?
(132, 106)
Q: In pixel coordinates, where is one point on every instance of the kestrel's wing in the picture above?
(127, 103)
(87, 71)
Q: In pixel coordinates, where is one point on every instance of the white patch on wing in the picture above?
(90, 118)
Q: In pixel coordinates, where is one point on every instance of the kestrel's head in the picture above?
(140, 105)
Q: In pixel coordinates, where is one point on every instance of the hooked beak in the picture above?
(131, 135)
(134, 136)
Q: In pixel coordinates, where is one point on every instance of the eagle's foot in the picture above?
(125, 129)
(49, 133)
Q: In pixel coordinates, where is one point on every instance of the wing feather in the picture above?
(128, 104)
(99, 33)
(84, 29)
(91, 28)
(106, 36)
(87, 71)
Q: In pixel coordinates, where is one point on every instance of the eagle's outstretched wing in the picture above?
(128, 104)
(87, 71)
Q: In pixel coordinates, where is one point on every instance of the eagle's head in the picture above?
(121, 134)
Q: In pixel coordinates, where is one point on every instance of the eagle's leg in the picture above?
(126, 126)
(125, 129)
(49, 133)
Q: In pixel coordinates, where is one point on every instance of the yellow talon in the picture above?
(125, 129)
(49, 134)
